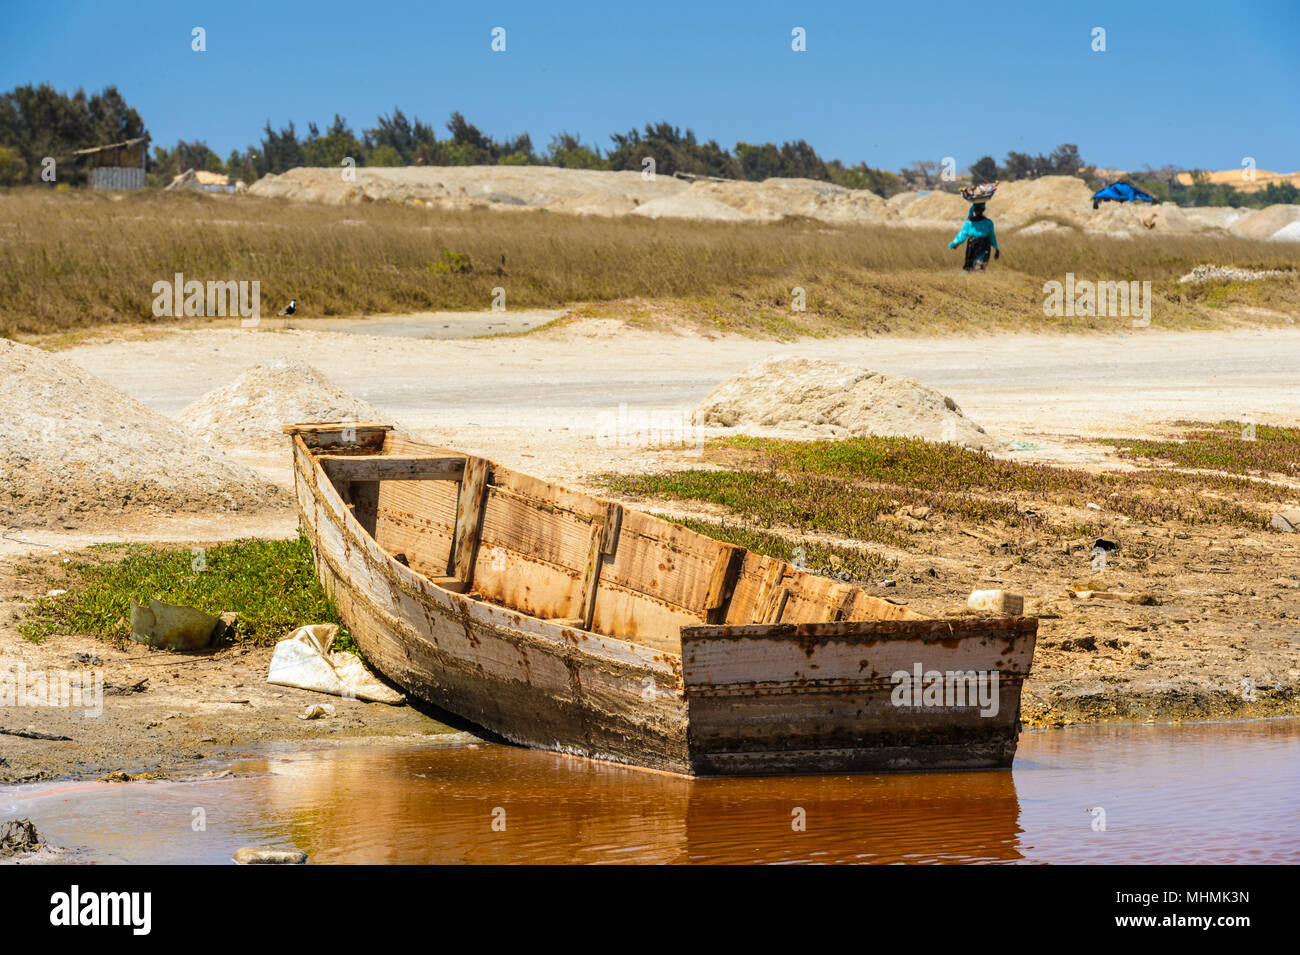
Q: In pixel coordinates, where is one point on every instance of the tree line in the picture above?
(36, 122)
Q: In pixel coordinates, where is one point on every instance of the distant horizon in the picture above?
(873, 86)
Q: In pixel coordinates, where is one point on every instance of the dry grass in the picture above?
(78, 259)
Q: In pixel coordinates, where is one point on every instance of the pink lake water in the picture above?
(1191, 793)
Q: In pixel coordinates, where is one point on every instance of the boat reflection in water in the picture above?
(501, 805)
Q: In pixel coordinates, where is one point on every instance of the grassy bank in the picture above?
(270, 584)
(879, 490)
(77, 259)
(1230, 446)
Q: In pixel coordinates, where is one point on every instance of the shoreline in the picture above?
(160, 730)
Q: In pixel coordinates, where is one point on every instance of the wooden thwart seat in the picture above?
(380, 467)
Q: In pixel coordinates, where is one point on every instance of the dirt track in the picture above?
(497, 394)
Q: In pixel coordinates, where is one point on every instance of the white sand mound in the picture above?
(72, 444)
(248, 412)
(690, 207)
(937, 209)
(1265, 223)
(828, 398)
(1215, 217)
(774, 199)
(594, 204)
(1288, 233)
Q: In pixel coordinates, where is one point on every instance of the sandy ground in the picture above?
(163, 712)
(541, 402)
(547, 404)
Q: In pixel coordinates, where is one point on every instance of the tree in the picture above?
(1019, 166)
(384, 156)
(404, 136)
(1065, 160)
(921, 172)
(984, 169)
(281, 150)
(567, 151)
(862, 176)
(13, 168)
(335, 146)
(673, 151)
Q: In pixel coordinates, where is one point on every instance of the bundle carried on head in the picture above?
(982, 193)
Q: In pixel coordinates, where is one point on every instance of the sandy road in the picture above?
(543, 396)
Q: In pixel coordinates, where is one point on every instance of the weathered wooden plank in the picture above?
(548, 494)
(604, 543)
(632, 615)
(867, 607)
(664, 561)
(469, 518)
(322, 427)
(333, 435)
(769, 590)
(612, 525)
(532, 529)
(722, 583)
(847, 602)
(776, 610)
(379, 467)
(925, 629)
(363, 496)
(591, 574)
(418, 519)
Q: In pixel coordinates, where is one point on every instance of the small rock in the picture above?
(1286, 521)
(251, 855)
(998, 602)
(1079, 643)
(19, 836)
(225, 628)
(317, 711)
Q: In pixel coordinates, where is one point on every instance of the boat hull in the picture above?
(757, 699)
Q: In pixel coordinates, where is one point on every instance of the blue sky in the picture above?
(1189, 83)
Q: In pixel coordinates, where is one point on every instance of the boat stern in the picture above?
(781, 699)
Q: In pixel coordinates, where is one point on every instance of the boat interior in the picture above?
(477, 528)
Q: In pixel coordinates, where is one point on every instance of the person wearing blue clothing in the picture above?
(977, 232)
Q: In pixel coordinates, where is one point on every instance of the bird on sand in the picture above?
(290, 308)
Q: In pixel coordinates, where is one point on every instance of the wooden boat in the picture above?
(569, 623)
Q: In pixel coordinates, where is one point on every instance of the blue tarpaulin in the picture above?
(1121, 192)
